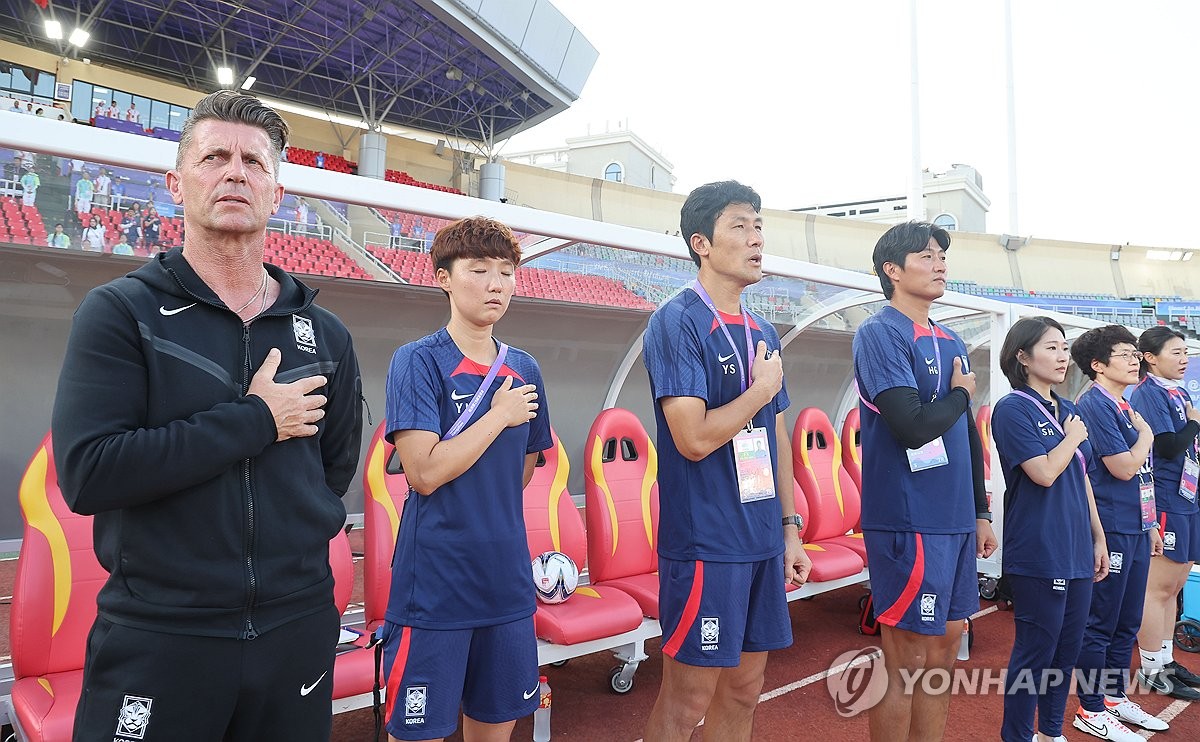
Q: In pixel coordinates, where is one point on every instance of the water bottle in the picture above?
(964, 648)
(541, 716)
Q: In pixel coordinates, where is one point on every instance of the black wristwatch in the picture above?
(796, 520)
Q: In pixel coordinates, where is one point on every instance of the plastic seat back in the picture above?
(621, 497)
(58, 577)
(851, 440)
(983, 421)
(833, 499)
(552, 522)
(383, 503)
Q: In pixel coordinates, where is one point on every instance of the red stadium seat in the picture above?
(851, 439)
(383, 504)
(983, 421)
(833, 500)
(829, 560)
(621, 494)
(552, 523)
(53, 605)
(354, 665)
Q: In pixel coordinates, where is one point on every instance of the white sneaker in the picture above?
(1128, 711)
(1104, 726)
(1059, 738)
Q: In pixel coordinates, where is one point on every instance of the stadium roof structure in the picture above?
(476, 69)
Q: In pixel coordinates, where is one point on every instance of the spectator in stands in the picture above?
(725, 548)
(921, 525)
(397, 231)
(302, 215)
(84, 188)
(29, 187)
(122, 247)
(39, 112)
(133, 115)
(151, 224)
(118, 193)
(464, 456)
(1124, 489)
(93, 236)
(103, 192)
(213, 507)
(113, 111)
(1175, 423)
(100, 110)
(16, 107)
(58, 238)
(320, 159)
(131, 226)
(1054, 541)
(28, 109)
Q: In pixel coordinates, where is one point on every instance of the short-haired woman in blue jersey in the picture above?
(467, 415)
(1123, 485)
(1175, 423)
(1054, 545)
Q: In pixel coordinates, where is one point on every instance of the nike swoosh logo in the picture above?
(456, 396)
(928, 361)
(722, 359)
(168, 312)
(1042, 425)
(531, 693)
(306, 689)
(1101, 729)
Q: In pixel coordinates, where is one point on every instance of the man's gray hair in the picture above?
(238, 108)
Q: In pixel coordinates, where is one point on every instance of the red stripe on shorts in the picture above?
(690, 609)
(892, 615)
(396, 673)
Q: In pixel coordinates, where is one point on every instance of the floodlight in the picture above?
(249, 83)
(79, 37)
(53, 29)
(224, 75)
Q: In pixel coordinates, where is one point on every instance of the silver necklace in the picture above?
(261, 287)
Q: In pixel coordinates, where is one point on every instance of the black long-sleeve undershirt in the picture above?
(914, 424)
(1170, 445)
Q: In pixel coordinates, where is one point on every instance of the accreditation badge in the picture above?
(756, 480)
(1187, 483)
(929, 456)
(1146, 497)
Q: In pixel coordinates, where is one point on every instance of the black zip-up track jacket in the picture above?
(206, 525)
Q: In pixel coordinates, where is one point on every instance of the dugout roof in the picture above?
(478, 69)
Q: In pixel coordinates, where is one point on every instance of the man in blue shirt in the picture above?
(460, 631)
(728, 539)
(925, 517)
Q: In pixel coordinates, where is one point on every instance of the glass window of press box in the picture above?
(85, 96)
(26, 83)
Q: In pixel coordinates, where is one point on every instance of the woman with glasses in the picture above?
(1175, 424)
(1054, 541)
(1124, 491)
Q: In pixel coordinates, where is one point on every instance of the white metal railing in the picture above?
(290, 227)
(400, 242)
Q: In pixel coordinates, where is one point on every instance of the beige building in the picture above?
(953, 199)
(616, 156)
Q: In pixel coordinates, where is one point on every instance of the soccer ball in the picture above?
(555, 576)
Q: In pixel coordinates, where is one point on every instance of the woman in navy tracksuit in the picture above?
(1123, 484)
(1054, 543)
(1175, 423)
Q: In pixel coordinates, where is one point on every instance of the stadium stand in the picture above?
(552, 523)
(833, 499)
(399, 176)
(311, 158)
(20, 224)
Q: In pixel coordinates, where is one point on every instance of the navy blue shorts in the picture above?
(711, 612)
(922, 580)
(491, 672)
(1181, 536)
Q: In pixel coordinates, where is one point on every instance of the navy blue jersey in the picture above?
(1165, 411)
(1110, 432)
(1047, 530)
(701, 515)
(891, 351)
(462, 559)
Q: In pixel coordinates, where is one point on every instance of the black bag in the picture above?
(868, 624)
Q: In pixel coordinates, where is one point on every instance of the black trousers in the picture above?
(153, 687)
